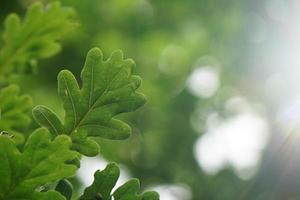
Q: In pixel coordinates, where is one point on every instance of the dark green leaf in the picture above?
(65, 188)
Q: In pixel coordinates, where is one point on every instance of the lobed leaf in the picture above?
(108, 88)
(42, 161)
(35, 37)
(104, 182)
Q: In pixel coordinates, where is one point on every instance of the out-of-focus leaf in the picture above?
(14, 112)
(34, 37)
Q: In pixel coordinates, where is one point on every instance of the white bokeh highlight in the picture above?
(236, 141)
(173, 192)
(203, 81)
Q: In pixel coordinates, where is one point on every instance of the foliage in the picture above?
(14, 112)
(167, 39)
(105, 181)
(41, 161)
(34, 37)
(38, 166)
(108, 88)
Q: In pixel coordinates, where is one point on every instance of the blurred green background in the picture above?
(221, 78)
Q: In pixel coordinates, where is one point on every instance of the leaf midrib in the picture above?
(51, 124)
(95, 103)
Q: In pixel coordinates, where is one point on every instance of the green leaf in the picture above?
(35, 37)
(14, 112)
(65, 188)
(108, 88)
(86, 146)
(49, 119)
(150, 195)
(104, 182)
(42, 161)
(128, 191)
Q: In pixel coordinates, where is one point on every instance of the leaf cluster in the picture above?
(105, 181)
(33, 38)
(37, 167)
(14, 112)
(41, 161)
(108, 88)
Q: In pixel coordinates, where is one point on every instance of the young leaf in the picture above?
(14, 112)
(104, 182)
(108, 88)
(42, 161)
(35, 37)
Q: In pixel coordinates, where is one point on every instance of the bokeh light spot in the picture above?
(203, 81)
(173, 192)
(236, 141)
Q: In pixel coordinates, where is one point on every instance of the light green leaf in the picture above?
(42, 161)
(108, 88)
(35, 37)
(104, 182)
(14, 112)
